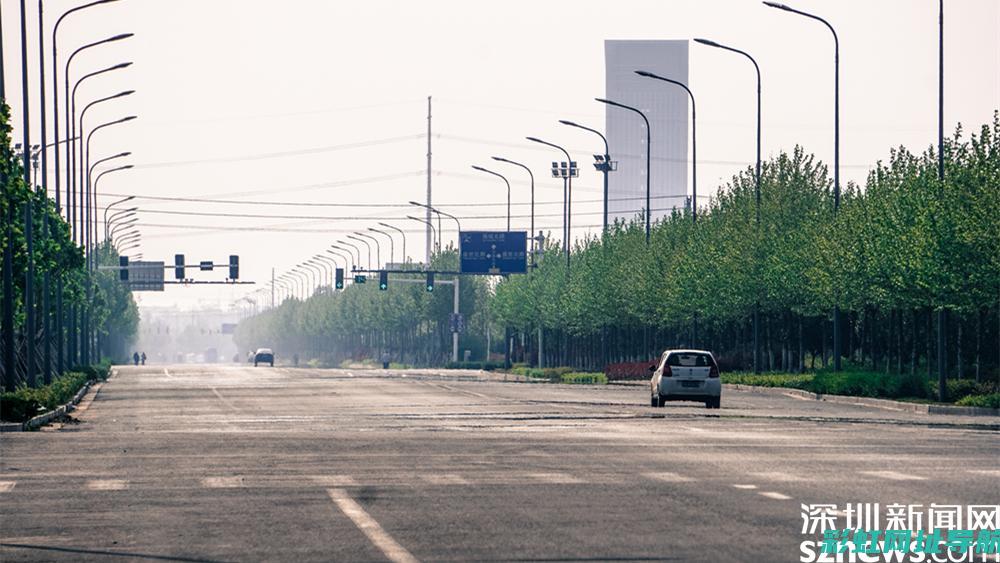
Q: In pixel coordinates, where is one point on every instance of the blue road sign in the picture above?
(493, 252)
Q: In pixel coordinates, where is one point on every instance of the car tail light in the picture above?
(713, 371)
(667, 372)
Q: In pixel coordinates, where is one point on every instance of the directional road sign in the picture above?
(493, 252)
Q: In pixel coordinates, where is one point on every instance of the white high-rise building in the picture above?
(666, 107)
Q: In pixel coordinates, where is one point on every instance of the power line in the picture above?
(280, 154)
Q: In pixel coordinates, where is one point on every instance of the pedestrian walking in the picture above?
(143, 358)
(135, 357)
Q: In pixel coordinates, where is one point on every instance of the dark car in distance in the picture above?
(263, 355)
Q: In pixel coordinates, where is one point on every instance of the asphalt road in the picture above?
(232, 463)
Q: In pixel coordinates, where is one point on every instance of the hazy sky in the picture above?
(326, 102)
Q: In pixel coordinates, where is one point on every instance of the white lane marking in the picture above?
(222, 482)
(693, 429)
(334, 480)
(667, 477)
(745, 487)
(445, 479)
(779, 476)
(166, 372)
(7, 486)
(107, 484)
(774, 495)
(893, 475)
(994, 472)
(378, 536)
(555, 478)
(223, 399)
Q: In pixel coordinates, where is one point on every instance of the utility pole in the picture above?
(29, 286)
(272, 288)
(46, 278)
(429, 202)
(9, 383)
(942, 313)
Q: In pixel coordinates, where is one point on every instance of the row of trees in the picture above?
(59, 271)
(903, 246)
(897, 250)
(406, 321)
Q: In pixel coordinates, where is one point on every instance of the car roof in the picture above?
(263, 350)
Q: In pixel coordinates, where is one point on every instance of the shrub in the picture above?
(26, 402)
(628, 371)
(990, 401)
(958, 389)
(485, 366)
(585, 378)
(794, 381)
(868, 384)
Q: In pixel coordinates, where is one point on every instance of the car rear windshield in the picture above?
(690, 360)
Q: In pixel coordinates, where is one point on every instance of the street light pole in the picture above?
(347, 256)
(392, 246)
(532, 178)
(402, 235)
(567, 194)
(356, 248)
(756, 306)
(604, 167)
(378, 247)
(836, 154)
(368, 246)
(694, 139)
(434, 233)
(504, 178)
(110, 205)
(85, 182)
(649, 141)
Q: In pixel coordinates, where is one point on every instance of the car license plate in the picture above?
(690, 383)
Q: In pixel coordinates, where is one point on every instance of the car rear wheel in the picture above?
(713, 403)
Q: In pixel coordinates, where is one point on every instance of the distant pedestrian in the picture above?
(385, 360)
(135, 357)
(143, 358)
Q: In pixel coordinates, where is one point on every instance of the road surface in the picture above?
(233, 463)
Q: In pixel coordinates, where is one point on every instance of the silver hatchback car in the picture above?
(686, 375)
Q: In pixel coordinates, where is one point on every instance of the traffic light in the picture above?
(383, 280)
(234, 267)
(178, 266)
(123, 268)
(430, 282)
(339, 278)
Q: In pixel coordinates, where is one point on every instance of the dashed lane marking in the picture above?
(7, 486)
(445, 479)
(166, 372)
(223, 399)
(554, 478)
(745, 487)
(370, 528)
(334, 480)
(779, 476)
(993, 472)
(107, 484)
(222, 482)
(774, 495)
(667, 477)
(894, 475)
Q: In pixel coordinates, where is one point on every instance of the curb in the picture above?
(888, 404)
(48, 417)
